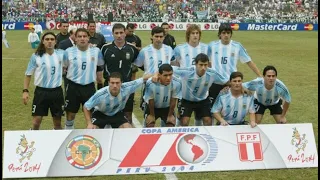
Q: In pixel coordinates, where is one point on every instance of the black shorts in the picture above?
(45, 98)
(77, 94)
(274, 109)
(201, 108)
(101, 120)
(158, 113)
(214, 92)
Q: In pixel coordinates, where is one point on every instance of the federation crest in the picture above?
(92, 58)
(232, 54)
(127, 56)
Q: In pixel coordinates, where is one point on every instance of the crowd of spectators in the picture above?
(234, 11)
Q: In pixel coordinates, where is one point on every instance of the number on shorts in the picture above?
(195, 89)
(53, 70)
(159, 63)
(93, 120)
(66, 103)
(235, 113)
(181, 110)
(193, 61)
(84, 65)
(34, 108)
(256, 107)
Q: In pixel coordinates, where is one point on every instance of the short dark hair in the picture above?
(269, 67)
(115, 75)
(130, 25)
(235, 75)
(82, 30)
(118, 26)
(157, 30)
(201, 57)
(91, 21)
(164, 24)
(224, 27)
(165, 67)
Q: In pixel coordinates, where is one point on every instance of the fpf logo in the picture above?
(170, 150)
(308, 27)
(83, 152)
(249, 146)
(235, 27)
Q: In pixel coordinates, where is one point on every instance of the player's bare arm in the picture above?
(150, 119)
(87, 115)
(254, 68)
(171, 118)
(218, 117)
(252, 118)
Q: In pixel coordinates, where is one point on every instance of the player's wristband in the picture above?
(25, 90)
(99, 86)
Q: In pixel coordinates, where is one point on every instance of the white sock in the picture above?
(198, 122)
(69, 124)
(178, 123)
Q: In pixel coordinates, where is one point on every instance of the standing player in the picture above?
(96, 39)
(269, 92)
(33, 39)
(185, 54)
(196, 81)
(4, 38)
(46, 64)
(232, 107)
(132, 38)
(85, 65)
(224, 55)
(151, 57)
(64, 25)
(161, 97)
(168, 39)
(38, 29)
(118, 57)
(108, 103)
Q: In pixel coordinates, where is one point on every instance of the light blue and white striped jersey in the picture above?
(152, 58)
(185, 53)
(195, 88)
(104, 102)
(47, 69)
(233, 109)
(224, 58)
(268, 97)
(82, 65)
(162, 94)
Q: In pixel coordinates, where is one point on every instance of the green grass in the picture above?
(294, 54)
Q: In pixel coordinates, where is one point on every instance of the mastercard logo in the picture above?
(28, 25)
(308, 27)
(235, 27)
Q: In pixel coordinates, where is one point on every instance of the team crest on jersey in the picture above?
(232, 54)
(127, 56)
(92, 58)
(206, 84)
(167, 57)
(244, 106)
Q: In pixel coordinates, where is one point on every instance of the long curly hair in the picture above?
(41, 49)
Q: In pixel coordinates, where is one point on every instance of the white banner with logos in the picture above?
(50, 153)
(176, 26)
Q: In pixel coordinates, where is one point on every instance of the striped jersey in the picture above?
(162, 94)
(152, 58)
(233, 109)
(224, 58)
(104, 102)
(265, 96)
(47, 69)
(185, 54)
(195, 88)
(82, 65)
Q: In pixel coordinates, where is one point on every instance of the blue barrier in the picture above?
(21, 25)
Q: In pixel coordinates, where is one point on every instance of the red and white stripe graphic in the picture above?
(153, 150)
(249, 145)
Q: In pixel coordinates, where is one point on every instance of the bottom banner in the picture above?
(50, 153)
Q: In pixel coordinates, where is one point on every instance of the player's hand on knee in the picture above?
(283, 120)
(25, 98)
(171, 119)
(253, 124)
(92, 126)
(224, 123)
